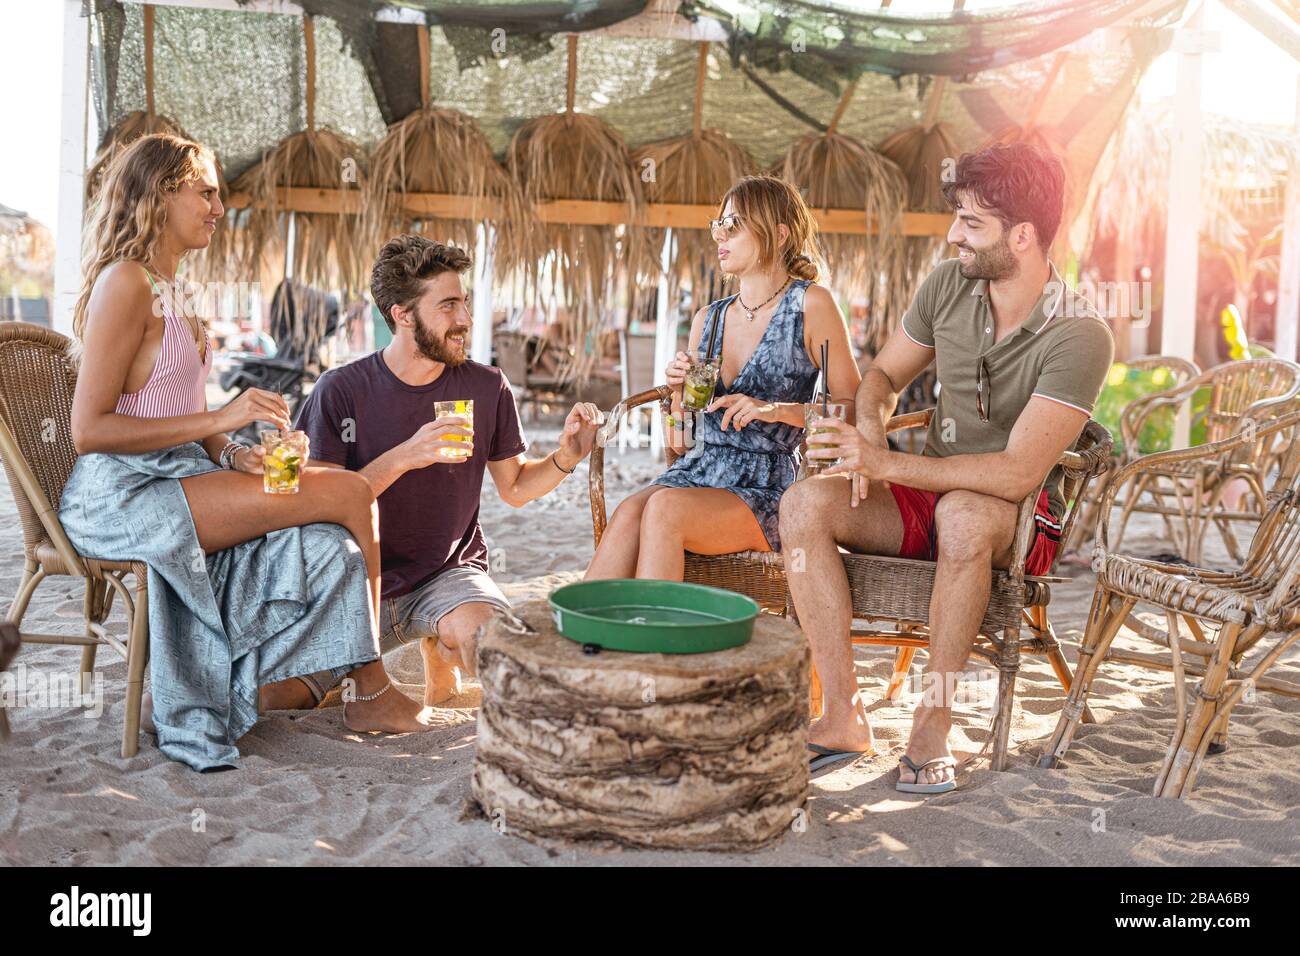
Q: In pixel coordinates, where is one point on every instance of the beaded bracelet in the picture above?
(227, 457)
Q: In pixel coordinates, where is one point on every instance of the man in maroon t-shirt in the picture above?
(377, 416)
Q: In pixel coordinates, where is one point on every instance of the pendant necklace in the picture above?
(749, 313)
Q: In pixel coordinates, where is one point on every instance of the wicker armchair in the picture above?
(1132, 419)
(1189, 493)
(10, 641)
(37, 379)
(897, 590)
(1227, 613)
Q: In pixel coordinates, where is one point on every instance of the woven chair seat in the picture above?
(900, 589)
(756, 574)
(1202, 593)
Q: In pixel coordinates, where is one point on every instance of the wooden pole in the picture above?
(148, 59)
(571, 82)
(1288, 286)
(698, 123)
(581, 212)
(841, 107)
(309, 37)
(424, 66)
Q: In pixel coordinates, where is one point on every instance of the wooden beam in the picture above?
(585, 212)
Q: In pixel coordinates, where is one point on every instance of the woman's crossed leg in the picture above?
(230, 507)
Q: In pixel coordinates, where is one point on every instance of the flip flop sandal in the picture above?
(825, 756)
(946, 787)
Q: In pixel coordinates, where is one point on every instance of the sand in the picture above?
(310, 792)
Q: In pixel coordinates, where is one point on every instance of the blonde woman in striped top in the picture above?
(247, 590)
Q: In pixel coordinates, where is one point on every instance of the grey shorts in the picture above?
(411, 617)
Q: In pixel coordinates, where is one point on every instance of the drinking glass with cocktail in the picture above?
(812, 412)
(460, 408)
(285, 457)
(697, 390)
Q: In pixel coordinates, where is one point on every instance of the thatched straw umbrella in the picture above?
(835, 171)
(435, 150)
(573, 155)
(329, 249)
(695, 169)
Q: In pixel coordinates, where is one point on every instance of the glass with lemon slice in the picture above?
(465, 409)
(286, 456)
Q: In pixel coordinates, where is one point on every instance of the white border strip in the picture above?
(903, 326)
(1077, 408)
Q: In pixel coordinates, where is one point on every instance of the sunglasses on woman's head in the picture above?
(727, 225)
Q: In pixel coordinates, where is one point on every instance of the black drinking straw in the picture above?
(713, 335)
(826, 349)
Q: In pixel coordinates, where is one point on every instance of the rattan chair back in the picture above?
(37, 380)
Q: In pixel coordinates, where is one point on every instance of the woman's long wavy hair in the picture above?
(129, 215)
(763, 203)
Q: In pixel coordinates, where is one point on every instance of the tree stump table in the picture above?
(678, 751)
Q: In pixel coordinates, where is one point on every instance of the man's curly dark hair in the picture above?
(404, 264)
(1018, 182)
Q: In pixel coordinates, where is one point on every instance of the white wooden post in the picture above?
(1183, 223)
(72, 166)
(665, 338)
(1288, 285)
(481, 339)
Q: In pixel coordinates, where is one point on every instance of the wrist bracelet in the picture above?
(555, 460)
(227, 457)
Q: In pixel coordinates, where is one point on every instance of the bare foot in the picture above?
(287, 694)
(929, 740)
(146, 715)
(441, 679)
(392, 712)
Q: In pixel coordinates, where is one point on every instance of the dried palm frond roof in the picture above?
(834, 171)
(329, 247)
(572, 155)
(442, 151)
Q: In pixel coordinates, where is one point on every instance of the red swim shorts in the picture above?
(916, 507)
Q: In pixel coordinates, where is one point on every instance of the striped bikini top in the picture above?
(176, 384)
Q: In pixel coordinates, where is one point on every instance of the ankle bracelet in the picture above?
(365, 698)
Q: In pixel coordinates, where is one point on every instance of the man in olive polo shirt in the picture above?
(1020, 361)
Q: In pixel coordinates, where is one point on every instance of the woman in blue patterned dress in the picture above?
(724, 495)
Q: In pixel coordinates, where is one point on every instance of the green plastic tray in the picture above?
(657, 617)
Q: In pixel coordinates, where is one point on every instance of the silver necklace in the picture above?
(749, 313)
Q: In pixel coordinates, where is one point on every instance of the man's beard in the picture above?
(996, 262)
(438, 349)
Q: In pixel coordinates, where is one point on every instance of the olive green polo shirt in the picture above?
(1062, 353)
